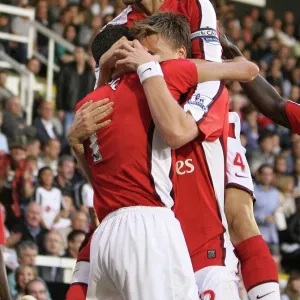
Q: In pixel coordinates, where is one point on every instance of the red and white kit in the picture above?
(205, 44)
(238, 170)
(132, 175)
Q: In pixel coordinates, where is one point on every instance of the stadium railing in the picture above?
(30, 41)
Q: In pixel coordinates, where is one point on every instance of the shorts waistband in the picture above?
(157, 210)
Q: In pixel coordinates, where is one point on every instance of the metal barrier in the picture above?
(27, 84)
(30, 40)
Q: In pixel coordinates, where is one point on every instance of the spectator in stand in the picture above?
(37, 288)
(20, 26)
(33, 147)
(292, 290)
(50, 154)
(56, 10)
(76, 80)
(287, 201)
(5, 93)
(84, 196)
(3, 139)
(263, 155)
(45, 129)
(250, 127)
(87, 33)
(43, 17)
(5, 27)
(27, 252)
(63, 55)
(65, 174)
(49, 198)
(294, 155)
(267, 202)
(80, 221)
(280, 166)
(62, 22)
(14, 124)
(29, 228)
(24, 274)
(54, 247)
(75, 240)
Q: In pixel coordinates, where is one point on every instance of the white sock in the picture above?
(265, 291)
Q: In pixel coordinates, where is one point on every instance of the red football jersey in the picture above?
(201, 177)
(203, 24)
(293, 113)
(129, 162)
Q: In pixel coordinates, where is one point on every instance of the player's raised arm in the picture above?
(175, 126)
(238, 69)
(260, 92)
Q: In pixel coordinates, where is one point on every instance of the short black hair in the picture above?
(266, 134)
(42, 170)
(73, 234)
(106, 38)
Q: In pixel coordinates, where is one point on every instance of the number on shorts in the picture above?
(238, 161)
(97, 157)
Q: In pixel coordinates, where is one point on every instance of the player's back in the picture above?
(119, 156)
(130, 163)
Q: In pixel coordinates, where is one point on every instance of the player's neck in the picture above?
(149, 7)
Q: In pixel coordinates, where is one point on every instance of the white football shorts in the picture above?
(139, 253)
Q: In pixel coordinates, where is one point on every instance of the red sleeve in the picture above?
(2, 231)
(205, 32)
(293, 113)
(209, 108)
(180, 75)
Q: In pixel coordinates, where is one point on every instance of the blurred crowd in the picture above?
(43, 195)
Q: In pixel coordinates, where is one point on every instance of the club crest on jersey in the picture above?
(114, 83)
(208, 35)
(201, 101)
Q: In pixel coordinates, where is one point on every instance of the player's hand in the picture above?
(88, 119)
(108, 59)
(229, 50)
(132, 57)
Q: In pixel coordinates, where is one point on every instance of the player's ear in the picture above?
(181, 51)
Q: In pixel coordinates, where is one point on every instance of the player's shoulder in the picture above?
(94, 95)
(180, 65)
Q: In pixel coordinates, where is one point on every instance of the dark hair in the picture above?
(106, 38)
(42, 170)
(172, 27)
(262, 167)
(65, 158)
(265, 135)
(72, 235)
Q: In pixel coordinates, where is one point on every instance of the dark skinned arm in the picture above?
(262, 94)
(4, 293)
